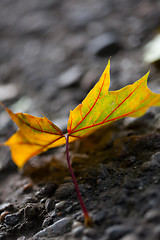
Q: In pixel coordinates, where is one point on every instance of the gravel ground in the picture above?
(52, 53)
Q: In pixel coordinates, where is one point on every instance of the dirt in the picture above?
(52, 53)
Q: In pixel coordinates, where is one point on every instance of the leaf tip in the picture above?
(2, 105)
(109, 63)
(148, 73)
(145, 77)
(44, 116)
(8, 110)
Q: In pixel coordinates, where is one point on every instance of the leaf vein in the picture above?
(90, 108)
(43, 131)
(104, 121)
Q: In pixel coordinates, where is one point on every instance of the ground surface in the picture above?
(50, 57)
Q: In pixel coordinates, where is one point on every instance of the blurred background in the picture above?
(52, 52)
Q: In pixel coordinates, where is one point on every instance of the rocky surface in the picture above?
(51, 54)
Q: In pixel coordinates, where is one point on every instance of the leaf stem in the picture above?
(87, 218)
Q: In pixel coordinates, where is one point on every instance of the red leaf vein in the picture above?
(43, 131)
(96, 99)
(113, 119)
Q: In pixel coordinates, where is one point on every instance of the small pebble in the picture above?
(28, 188)
(2, 216)
(8, 91)
(2, 236)
(131, 236)
(156, 232)
(43, 200)
(11, 219)
(152, 50)
(99, 217)
(21, 238)
(59, 205)
(68, 209)
(104, 45)
(152, 215)
(86, 238)
(53, 214)
(90, 232)
(77, 231)
(117, 231)
(70, 77)
(49, 204)
(154, 162)
(142, 231)
(32, 211)
(76, 224)
(156, 157)
(49, 189)
(58, 228)
(30, 200)
(6, 206)
(65, 190)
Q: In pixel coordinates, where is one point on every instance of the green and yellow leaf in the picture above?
(101, 106)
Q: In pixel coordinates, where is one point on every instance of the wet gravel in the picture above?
(52, 53)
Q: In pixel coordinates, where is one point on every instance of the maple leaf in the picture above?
(100, 107)
(35, 135)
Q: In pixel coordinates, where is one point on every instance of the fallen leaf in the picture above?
(100, 107)
(35, 135)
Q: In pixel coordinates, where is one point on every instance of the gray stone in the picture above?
(117, 231)
(99, 217)
(49, 204)
(152, 50)
(32, 210)
(152, 215)
(131, 236)
(104, 45)
(30, 200)
(156, 157)
(21, 238)
(69, 209)
(11, 219)
(156, 232)
(6, 206)
(8, 91)
(86, 238)
(58, 228)
(65, 190)
(76, 224)
(48, 189)
(78, 231)
(90, 232)
(154, 162)
(59, 205)
(70, 77)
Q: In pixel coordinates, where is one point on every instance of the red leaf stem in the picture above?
(87, 218)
